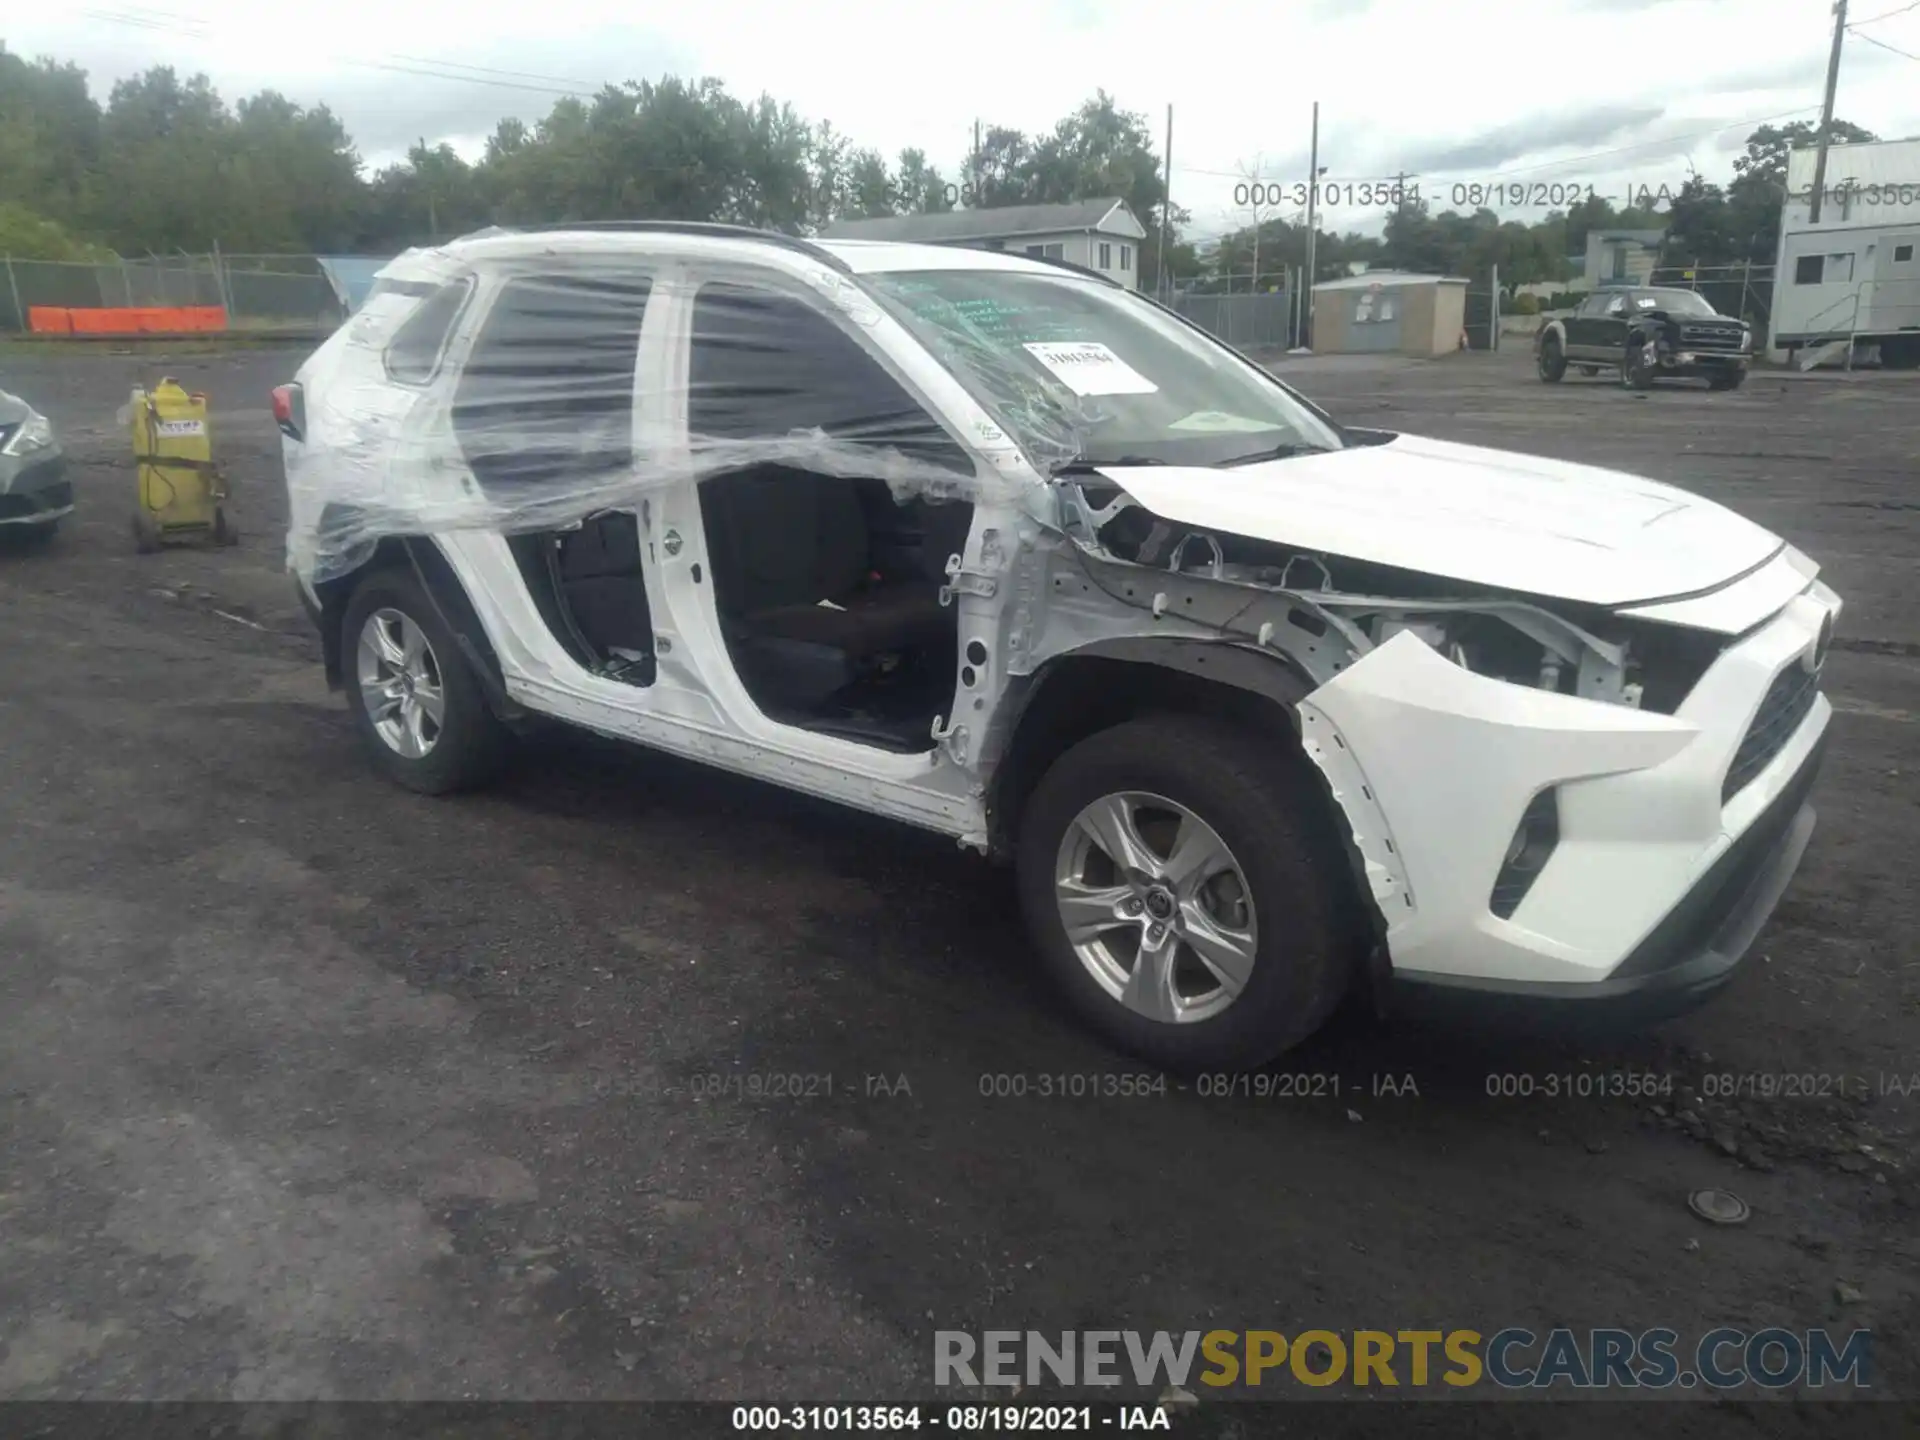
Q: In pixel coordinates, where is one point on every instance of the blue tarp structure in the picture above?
(351, 277)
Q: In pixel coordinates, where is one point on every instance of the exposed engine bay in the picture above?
(1357, 605)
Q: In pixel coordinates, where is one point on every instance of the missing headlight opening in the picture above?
(1512, 638)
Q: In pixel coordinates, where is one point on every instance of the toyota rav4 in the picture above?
(1261, 708)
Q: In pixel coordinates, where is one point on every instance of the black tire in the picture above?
(471, 744)
(1726, 379)
(27, 539)
(1553, 360)
(1272, 821)
(1635, 373)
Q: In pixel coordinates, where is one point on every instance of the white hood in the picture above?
(1484, 517)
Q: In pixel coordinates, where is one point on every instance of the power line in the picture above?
(166, 22)
(1884, 46)
(1886, 16)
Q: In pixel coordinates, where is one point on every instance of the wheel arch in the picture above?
(1110, 682)
(424, 559)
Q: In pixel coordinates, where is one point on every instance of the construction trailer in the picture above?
(1851, 282)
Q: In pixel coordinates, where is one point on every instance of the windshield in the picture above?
(1078, 371)
(1675, 302)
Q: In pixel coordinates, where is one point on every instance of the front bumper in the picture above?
(34, 490)
(1702, 362)
(1687, 959)
(1662, 872)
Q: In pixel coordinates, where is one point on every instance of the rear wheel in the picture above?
(416, 702)
(1553, 360)
(1180, 895)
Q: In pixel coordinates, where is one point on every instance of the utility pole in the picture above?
(975, 203)
(1313, 195)
(1166, 211)
(1826, 111)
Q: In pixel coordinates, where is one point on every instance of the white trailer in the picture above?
(1853, 278)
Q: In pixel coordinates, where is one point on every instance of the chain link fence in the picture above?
(1745, 291)
(257, 292)
(1246, 322)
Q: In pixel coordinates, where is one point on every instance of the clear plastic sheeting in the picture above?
(519, 384)
(527, 395)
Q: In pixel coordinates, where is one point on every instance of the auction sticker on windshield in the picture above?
(1090, 368)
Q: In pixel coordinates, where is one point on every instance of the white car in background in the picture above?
(1261, 707)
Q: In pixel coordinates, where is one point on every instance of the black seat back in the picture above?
(781, 537)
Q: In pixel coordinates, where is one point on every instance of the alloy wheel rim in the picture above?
(1156, 907)
(401, 684)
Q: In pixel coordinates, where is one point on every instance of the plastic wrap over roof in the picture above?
(499, 385)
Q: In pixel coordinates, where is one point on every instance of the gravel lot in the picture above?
(310, 1087)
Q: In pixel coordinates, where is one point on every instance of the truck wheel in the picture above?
(1636, 370)
(1180, 896)
(418, 707)
(1553, 360)
(1726, 379)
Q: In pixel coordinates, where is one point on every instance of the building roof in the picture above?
(1643, 237)
(1867, 162)
(1383, 278)
(997, 222)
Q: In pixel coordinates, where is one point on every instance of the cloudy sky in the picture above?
(1608, 93)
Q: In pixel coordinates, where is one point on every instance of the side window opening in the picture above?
(1808, 269)
(546, 396)
(543, 411)
(413, 355)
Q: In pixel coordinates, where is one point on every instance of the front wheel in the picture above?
(1553, 360)
(1637, 366)
(416, 702)
(1181, 895)
(1726, 379)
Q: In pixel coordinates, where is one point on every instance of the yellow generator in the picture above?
(182, 493)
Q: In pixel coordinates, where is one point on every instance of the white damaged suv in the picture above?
(1261, 707)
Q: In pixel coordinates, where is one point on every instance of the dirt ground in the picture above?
(313, 1088)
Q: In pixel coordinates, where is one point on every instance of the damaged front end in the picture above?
(1131, 577)
(1322, 613)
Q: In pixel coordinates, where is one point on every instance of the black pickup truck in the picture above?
(1645, 335)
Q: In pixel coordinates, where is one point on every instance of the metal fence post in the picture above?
(220, 284)
(1493, 313)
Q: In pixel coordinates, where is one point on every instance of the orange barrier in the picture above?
(125, 320)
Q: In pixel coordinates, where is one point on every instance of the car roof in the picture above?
(859, 257)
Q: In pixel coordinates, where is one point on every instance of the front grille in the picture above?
(1710, 337)
(1782, 708)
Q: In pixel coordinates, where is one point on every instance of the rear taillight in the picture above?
(290, 411)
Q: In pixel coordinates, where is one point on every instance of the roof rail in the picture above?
(1069, 265)
(695, 227)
